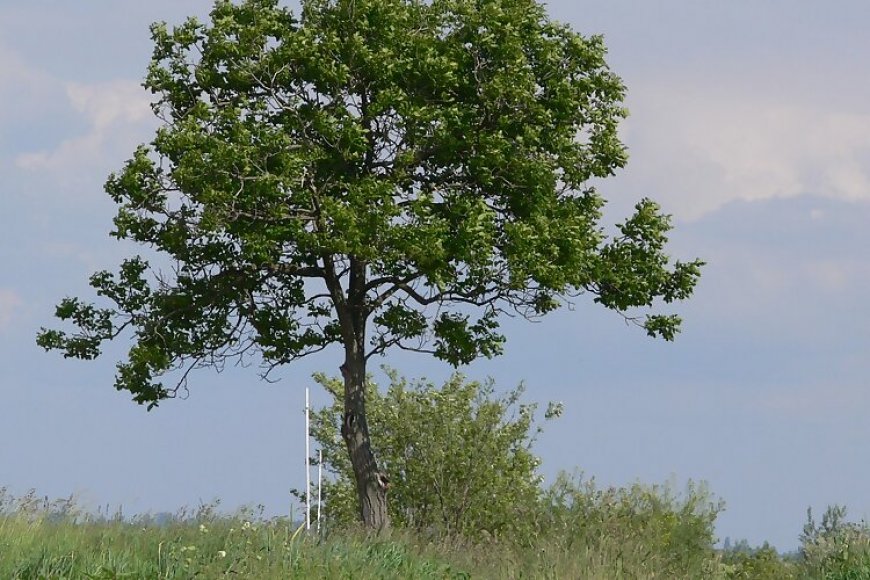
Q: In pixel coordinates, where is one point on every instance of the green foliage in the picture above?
(764, 563)
(580, 531)
(635, 529)
(225, 547)
(459, 458)
(395, 171)
(462, 467)
(56, 540)
(41, 539)
(835, 549)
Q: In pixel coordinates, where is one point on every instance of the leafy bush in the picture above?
(637, 528)
(835, 549)
(764, 563)
(459, 458)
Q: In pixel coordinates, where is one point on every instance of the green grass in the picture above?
(42, 549)
(638, 533)
(578, 532)
(224, 547)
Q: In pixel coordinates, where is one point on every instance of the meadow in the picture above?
(577, 531)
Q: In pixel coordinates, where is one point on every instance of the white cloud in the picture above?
(10, 302)
(698, 149)
(118, 114)
(109, 103)
(24, 89)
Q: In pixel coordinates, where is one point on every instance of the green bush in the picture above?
(461, 466)
(458, 457)
(835, 549)
(764, 563)
(633, 530)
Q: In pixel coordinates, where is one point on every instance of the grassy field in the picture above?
(636, 533)
(235, 548)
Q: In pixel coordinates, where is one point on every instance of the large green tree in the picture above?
(370, 174)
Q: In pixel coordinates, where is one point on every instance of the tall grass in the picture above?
(43, 547)
(578, 531)
(41, 539)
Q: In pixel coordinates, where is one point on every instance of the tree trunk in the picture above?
(371, 483)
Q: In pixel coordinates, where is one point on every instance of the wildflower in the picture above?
(222, 553)
(203, 529)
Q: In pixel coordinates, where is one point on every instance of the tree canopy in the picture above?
(371, 174)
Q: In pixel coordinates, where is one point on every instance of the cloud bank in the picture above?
(700, 149)
(118, 115)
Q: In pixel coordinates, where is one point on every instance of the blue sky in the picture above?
(750, 124)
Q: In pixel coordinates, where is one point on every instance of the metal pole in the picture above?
(307, 463)
(319, 485)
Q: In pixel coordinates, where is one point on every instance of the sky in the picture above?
(749, 123)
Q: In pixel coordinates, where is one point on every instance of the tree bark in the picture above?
(371, 483)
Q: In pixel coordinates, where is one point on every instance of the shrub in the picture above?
(639, 528)
(459, 457)
(835, 549)
(764, 563)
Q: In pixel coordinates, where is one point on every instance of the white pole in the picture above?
(319, 484)
(307, 464)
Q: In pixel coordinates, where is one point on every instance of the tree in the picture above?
(370, 174)
(460, 458)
